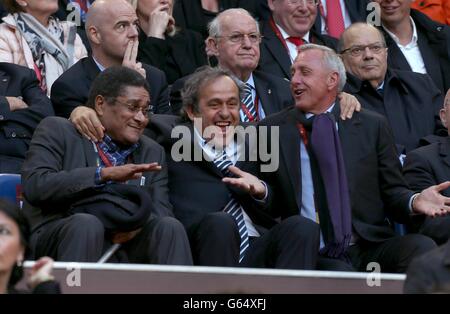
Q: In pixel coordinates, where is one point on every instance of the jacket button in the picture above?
(439, 28)
(13, 134)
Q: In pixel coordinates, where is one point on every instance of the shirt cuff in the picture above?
(264, 199)
(411, 200)
(98, 177)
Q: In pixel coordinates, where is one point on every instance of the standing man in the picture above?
(112, 30)
(345, 175)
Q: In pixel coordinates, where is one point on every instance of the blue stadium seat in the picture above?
(11, 187)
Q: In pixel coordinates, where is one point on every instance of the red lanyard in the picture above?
(247, 112)
(303, 134)
(278, 33)
(103, 157)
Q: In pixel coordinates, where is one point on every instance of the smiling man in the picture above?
(82, 196)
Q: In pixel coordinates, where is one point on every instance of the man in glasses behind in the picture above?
(409, 100)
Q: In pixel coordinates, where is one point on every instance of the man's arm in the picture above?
(418, 172)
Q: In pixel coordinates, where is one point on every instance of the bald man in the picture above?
(111, 27)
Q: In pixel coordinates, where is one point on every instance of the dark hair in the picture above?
(14, 213)
(111, 83)
(12, 6)
(196, 82)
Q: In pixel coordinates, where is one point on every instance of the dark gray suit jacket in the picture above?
(60, 165)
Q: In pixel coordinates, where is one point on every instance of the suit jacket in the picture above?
(428, 165)
(429, 273)
(71, 89)
(357, 10)
(411, 103)
(196, 187)
(274, 57)
(273, 92)
(17, 127)
(376, 185)
(434, 46)
(61, 164)
(176, 56)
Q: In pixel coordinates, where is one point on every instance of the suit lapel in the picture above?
(444, 150)
(278, 51)
(429, 57)
(265, 95)
(290, 148)
(90, 154)
(92, 69)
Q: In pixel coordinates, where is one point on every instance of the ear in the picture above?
(211, 46)
(22, 3)
(442, 114)
(270, 4)
(94, 35)
(99, 105)
(332, 80)
(190, 112)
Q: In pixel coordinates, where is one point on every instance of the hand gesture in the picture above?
(159, 20)
(16, 103)
(87, 123)
(41, 272)
(430, 201)
(127, 172)
(246, 182)
(129, 58)
(349, 104)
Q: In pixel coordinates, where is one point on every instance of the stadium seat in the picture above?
(11, 188)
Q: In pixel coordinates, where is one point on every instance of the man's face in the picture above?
(117, 29)
(146, 7)
(311, 83)
(366, 57)
(296, 19)
(218, 103)
(243, 55)
(126, 118)
(394, 11)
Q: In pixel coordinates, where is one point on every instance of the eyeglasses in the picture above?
(357, 51)
(135, 108)
(305, 2)
(239, 38)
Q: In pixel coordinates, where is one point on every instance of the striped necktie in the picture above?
(247, 100)
(233, 208)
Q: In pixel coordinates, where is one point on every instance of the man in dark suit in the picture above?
(410, 101)
(224, 207)
(113, 33)
(289, 26)
(415, 42)
(81, 196)
(427, 166)
(352, 189)
(22, 106)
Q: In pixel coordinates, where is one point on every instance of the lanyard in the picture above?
(103, 157)
(250, 117)
(303, 134)
(278, 34)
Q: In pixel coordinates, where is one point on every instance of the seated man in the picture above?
(218, 196)
(82, 196)
(22, 106)
(345, 175)
(112, 30)
(410, 101)
(427, 166)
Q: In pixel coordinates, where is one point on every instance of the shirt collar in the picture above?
(286, 36)
(100, 67)
(395, 38)
(309, 115)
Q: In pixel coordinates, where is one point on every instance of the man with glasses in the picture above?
(81, 197)
(410, 101)
(289, 27)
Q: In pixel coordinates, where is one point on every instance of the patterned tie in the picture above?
(247, 100)
(233, 208)
(297, 41)
(335, 21)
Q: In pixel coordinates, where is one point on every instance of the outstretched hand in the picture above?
(127, 172)
(246, 182)
(431, 202)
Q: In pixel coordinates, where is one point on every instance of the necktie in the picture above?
(297, 41)
(250, 110)
(233, 208)
(334, 19)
